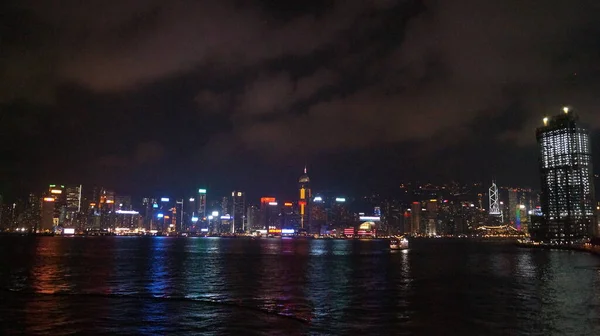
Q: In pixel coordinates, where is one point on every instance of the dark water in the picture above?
(166, 286)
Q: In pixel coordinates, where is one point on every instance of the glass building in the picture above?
(566, 179)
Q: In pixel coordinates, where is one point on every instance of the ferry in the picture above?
(398, 243)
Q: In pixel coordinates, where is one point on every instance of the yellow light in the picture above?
(109, 201)
(48, 199)
(56, 191)
(302, 193)
(546, 121)
(566, 109)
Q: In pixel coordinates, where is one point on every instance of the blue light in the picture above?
(155, 206)
(160, 215)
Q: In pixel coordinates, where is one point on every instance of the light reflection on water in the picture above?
(293, 286)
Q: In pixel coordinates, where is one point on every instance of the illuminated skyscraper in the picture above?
(201, 199)
(47, 222)
(415, 215)
(238, 211)
(60, 201)
(567, 180)
(73, 205)
(269, 214)
(303, 204)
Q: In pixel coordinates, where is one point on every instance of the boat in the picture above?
(398, 243)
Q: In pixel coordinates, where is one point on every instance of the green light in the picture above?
(202, 191)
(52, 185)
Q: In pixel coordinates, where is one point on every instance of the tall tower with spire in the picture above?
(304, 200)
(495, 202)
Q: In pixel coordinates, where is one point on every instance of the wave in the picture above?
(231, 304)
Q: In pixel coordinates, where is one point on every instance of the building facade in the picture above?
(567, 181)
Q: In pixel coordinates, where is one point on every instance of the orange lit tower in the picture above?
(304, 201)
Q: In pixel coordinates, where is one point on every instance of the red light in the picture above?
(266, 200)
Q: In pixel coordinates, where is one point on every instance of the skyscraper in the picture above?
(303, 204)
(566, 179)
(60, 201)
(47, 222)
(237, 211)
(201, 199)
(73, 205)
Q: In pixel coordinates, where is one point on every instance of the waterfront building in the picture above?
(238, 209)
(303, 202)
(567, 180)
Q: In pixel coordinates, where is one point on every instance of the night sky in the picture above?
(150, 97)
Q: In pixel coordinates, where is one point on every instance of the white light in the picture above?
(126, 212)
(287, 231)
(68, 231)
(340, 199)
(318, 199)
(164, 199)
(226, 217)
(215, 213)
(204, 230)
(566, 109)
(192, 199)
(194, 219)
(370, 218)
(210, 217)
(272, 203)
(160, 215)
(201, 191)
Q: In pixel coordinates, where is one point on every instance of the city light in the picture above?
(318, 199)
(155, 206)
(110, 201)
(239, 194)
(287, 231)
(68, 231)
(201, 191)
(566, 109)
(226, 217)
(340, 199)
(370, 218)
(215, 213)
(194, 219)
(204, 230)
(545, 121)
(192, 199)
(126, 212)
(164, 199)
(160, 215)
(210, 217)
(272, 203)
(288, 204)
(56, 191)
(48, 199)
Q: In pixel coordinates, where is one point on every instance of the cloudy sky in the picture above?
(163, 96)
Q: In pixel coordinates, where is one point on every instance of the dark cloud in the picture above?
(225, 81)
